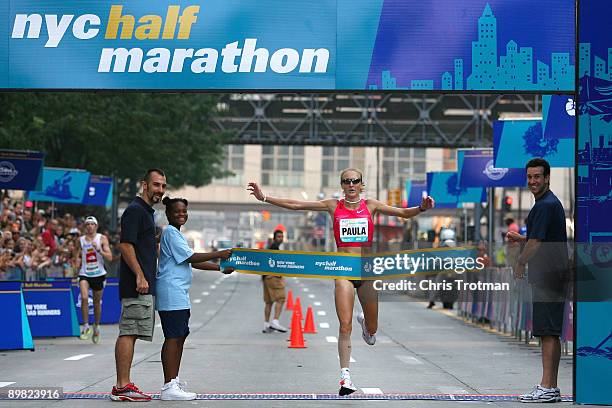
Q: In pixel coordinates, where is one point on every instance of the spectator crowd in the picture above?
(34, 245)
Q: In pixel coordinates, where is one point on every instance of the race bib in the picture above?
(354, 230)
(91, 262)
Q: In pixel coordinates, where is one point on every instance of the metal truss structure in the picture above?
(370, 119)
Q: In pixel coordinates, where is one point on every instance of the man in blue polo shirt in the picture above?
(137, 281)
(546, 254)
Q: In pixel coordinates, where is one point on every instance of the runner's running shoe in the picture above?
(346, 386)
(367, 337)
(129, 393)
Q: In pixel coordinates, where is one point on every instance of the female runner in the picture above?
(353, 231)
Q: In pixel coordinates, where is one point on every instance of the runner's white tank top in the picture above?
(92, 262)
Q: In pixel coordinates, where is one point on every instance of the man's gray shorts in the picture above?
(138, 317)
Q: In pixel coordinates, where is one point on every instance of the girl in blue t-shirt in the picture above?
(176, 259)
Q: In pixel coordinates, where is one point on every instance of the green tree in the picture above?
(118, 134)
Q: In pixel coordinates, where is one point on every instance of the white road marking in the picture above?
(324, 325)
(311, 296)
(213, 286)
(205, 293)
(5, 383)
(197, 301)
(372, 391)
(78, 357)
(451, 390)
(305, 289)
(321, 313)
(408, 359)
(331, 339)
(317, 303)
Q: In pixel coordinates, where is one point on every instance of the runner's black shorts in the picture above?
(95, 283)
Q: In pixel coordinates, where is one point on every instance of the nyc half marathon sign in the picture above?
(512, 45)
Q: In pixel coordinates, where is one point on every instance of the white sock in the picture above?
(266, 325)
(275, 321)
(345, 373)
(85, 326)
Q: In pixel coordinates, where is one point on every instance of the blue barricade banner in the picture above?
(62, 186)
(443, 187)
(21, 170)
(477, 169)
(273, 44)
(414, 192)
(111, 305)
(99, 191)
(517, 142)
(341, 265)
(16, 334)
(50, 308)
(558, 117)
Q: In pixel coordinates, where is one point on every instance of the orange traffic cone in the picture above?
(297, 307)
(297, 337)
(289, 305)
(309, 326)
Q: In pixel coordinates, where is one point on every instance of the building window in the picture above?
(233, 162)
(336, 159)
(282, 166)
(401, 164)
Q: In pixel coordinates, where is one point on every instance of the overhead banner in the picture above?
(516, 142)
(99, 191)
(415, 190)
(509, 45)
(21, 170)
(477, 169)
(558, 117)
(443, 187)
(62, 186)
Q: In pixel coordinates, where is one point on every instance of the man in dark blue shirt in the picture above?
(545, 252)
(137, 281)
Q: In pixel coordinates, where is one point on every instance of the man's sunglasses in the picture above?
(351, 181)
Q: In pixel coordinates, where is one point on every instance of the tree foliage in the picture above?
(118, 134)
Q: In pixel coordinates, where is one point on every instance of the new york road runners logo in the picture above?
(271, 262)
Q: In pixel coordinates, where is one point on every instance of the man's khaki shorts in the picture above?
(138, 317)
(273, 289)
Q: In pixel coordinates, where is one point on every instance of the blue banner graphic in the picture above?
(50, 308)
(274, 44)
(594, 205)
(99, 191)
(62, 186)
(414, 192)
(477, 169)
(111, 305)
(21, 170)
(558, 117)
(443, 187)
(16, 334)
(340, 265)
(517, 142)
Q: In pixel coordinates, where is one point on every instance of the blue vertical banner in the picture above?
(99, 191)
(16, 334)
(515, 142)
(62, 186)
(443, 187)
(558, 116)
(414, 192)
(477, 169)
(594, 205)
(21, 170)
